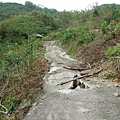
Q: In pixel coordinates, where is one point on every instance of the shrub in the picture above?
(110, 74)
(68, 35)
(104, 27)
(113, 51)
(85, 37)
(70, 49)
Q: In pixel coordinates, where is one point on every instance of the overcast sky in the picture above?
(67, 5)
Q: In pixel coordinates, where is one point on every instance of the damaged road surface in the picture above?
(100, 101)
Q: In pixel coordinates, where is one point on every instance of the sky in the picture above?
(67, 5)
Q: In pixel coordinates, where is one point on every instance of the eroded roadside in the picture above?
(99, 102)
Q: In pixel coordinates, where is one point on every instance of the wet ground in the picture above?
(101, 101)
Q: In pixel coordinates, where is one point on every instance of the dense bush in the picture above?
(69, 34)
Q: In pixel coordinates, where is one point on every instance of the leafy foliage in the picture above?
(104, 27)
(82, 31)
(113, 51)
(8, 10)
(69, 34)
(84, 38)
(110, 74)
(96, 13)
(25, 25)
(18, 63)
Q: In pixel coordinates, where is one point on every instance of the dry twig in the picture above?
(76, 68)
(88, 75)
(6, 110)
(79, 68)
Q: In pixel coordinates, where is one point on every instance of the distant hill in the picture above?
(112, 6)
(7, 10)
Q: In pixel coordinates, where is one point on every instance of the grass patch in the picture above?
(113, 51)
(110, 74)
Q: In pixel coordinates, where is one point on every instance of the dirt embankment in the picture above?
(94, 53)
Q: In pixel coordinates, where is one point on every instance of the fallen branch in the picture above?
(6, 110)
(79, 68)
(88, 75)
(74, 68)
(89, 65)
(84, 73)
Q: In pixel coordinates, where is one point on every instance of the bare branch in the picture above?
(11, 108)
(88, 75)
(79, 68)
(6, 110)
(89, 65)
(75, 68)
(3, 112)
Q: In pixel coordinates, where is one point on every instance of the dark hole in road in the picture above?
(77, 83)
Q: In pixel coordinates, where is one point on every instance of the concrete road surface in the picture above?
(101, 101)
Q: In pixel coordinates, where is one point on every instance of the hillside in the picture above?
(91, 36)
(8, 10)
(22, 61)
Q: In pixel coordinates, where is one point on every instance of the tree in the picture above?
(30, 5)
(96, 13)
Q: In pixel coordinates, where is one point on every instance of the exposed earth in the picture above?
(99, 100)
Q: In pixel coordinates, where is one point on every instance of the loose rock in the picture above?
(116, 94)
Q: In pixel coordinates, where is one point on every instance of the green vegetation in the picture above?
(81, 28)
(112, 52)
(89, 34)
(8, 10)
(21, 54)
(23, 26)
(19, 63)
(110, 74)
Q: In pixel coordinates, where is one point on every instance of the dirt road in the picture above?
(100, 101)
